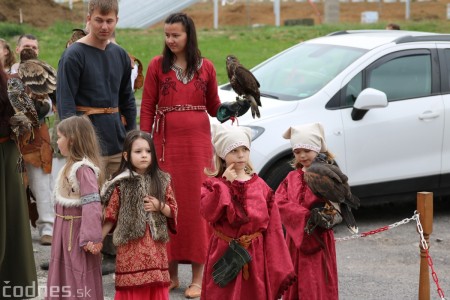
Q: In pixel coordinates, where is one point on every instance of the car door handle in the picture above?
(428, 115)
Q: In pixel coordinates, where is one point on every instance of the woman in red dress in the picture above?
(180, 91)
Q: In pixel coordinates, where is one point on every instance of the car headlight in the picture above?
(256, 131)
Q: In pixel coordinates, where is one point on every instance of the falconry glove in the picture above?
(232, 109)
(230, 264)
(325, 217)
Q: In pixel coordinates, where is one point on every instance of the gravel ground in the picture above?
(380, 266)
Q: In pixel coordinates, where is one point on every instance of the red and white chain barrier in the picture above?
(422, 241)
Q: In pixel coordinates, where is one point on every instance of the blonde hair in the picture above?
(9, 59)
(220, 167)
(297, 165)
(104, 6)
(82, 142)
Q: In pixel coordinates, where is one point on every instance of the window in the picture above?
(400, 77)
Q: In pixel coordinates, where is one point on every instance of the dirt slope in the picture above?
(42, 13)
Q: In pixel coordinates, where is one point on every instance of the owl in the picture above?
(244, 83)
(20, 100)
(36, 74)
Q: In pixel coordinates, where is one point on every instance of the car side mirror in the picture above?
(368, 99)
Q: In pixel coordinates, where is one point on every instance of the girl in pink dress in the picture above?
(313, 255)
(240, 207)
(75, 266)
(140, 204)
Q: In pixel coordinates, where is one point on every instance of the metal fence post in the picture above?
(425, 209)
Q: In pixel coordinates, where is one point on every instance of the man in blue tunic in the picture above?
(94, 79)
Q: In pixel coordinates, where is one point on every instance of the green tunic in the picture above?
(18, 278)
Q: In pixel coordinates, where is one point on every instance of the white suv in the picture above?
(383, 97)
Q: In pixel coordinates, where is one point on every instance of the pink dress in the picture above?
(186, 134)
(142, 267)
(243, 208)
(74, 273)
(313, 256)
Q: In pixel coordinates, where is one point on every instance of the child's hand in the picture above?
(94, 248)
(230, 173)
(151, 204)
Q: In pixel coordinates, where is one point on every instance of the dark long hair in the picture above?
(193, 54)
(6, 110)
(153, 170)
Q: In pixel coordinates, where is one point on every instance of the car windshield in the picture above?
(303, 70)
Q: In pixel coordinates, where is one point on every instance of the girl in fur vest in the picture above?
(240, 207)
(140, 204)
(75, 266)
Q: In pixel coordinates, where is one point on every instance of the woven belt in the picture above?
(244, 240)
(161, 116)
(69, 218)
(88, 110)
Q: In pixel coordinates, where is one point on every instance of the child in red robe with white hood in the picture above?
(240, 207)
(314, 254)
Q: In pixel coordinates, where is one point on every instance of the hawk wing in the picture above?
(248, 83)
(39, 76)
(328, 182)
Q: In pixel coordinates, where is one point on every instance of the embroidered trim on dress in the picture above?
(86, 199)
(179, 72)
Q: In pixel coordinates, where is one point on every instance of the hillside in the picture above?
(43, 13)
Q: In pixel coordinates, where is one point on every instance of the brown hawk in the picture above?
(327, 181)
(36, 74)
(244, 83)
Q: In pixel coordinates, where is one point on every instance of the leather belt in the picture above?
(88, 110)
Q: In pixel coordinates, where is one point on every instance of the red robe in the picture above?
(243, 208)
(314, 257)
(188, 149)
(142, 267)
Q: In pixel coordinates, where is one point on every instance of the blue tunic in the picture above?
(88, 76)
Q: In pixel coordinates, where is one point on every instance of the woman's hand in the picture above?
(151, 204)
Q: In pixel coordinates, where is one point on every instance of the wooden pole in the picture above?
(425, 209)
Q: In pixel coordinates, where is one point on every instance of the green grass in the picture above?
(250, 45)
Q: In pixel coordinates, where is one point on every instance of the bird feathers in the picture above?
(244, 83)
(36, 74)
(20, 101)
(327, 181)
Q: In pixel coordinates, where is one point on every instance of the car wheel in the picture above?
(278, 172)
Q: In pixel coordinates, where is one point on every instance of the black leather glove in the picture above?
(230, 264)
(323, 217)
(232, 109)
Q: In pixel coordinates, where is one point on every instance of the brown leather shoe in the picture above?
(46, 240)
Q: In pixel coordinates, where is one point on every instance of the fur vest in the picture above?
(67, 188)
(132, 219)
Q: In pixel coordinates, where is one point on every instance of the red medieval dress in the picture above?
(313, 256)
(244, 208)
(142, 267)
(177, 112)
